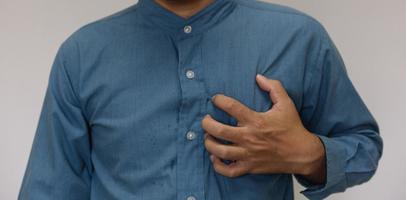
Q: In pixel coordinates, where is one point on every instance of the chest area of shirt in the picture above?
(132, 76)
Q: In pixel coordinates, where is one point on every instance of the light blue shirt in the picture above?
(121, 117)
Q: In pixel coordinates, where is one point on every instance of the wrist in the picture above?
(314, 168)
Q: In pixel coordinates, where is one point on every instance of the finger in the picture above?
(275, 88)
(233, 107)
(231, 170)
(220, 130)
(227, 152)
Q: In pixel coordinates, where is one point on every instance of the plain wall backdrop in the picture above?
(370, 35)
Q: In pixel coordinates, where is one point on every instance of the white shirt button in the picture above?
(191, 198)
(190, 74)
(190, 135)
(187, 29)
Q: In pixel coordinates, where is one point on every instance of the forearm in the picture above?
(314, 167)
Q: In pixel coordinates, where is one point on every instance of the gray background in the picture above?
(370, 35)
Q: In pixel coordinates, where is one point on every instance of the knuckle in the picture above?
(237, 135)
(259, 123)
(246, 138)
(246, 154)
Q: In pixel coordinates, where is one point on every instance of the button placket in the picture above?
(190, 161)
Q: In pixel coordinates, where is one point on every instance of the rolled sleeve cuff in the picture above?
(335, 172)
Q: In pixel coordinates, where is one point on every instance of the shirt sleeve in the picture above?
(59, 161)
(334, 111)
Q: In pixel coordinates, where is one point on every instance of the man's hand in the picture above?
(274, 141)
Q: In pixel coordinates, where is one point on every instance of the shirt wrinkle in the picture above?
(144, 82)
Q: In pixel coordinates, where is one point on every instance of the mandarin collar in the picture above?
(201, 21)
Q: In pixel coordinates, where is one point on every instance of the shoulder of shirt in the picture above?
(298, 21)
(94, 34)
(282, 12)
(273, 8)
(104, 26)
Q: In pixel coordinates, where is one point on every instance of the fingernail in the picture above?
(214, 96)
(205, 135)
(212, 158)
(260, 75)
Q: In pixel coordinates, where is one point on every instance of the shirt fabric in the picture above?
(121, 117)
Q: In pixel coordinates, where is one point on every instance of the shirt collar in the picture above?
(202, 20)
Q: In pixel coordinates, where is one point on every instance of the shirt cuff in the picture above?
(335, 171)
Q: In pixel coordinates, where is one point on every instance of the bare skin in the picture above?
(263, 142)
(184, 8)
(268, 142)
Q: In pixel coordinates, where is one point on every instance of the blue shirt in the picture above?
(121, 117)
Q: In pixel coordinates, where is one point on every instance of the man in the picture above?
(200, 99)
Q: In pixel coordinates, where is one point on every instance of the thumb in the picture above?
(276, 91)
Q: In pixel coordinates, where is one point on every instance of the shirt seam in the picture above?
(318, 64)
